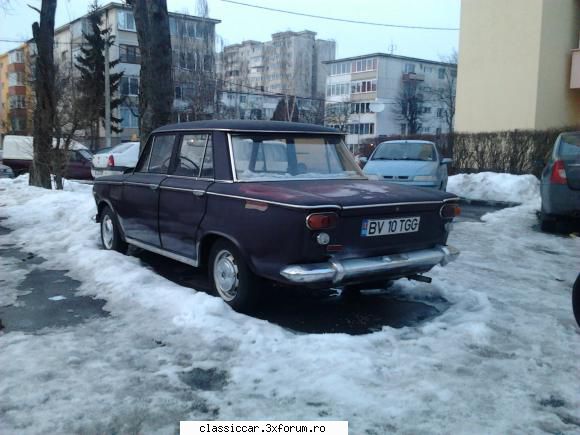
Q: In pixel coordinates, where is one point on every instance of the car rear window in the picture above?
(569, 146)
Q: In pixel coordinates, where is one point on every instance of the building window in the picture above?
(126, 21)
(439, 113)
(15, 79)
(172, 26)
(16, 56)
(362, 86)
(17, 102)
(129, 118)
(361, 128)
(337, 89)
(18, 124)
(129, 86)
(403, 129)
(438, 131)
(441, 73)
(409, 67)
(426, 109)
(129, 54)
(64, 56)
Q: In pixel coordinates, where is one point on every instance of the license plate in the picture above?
(386, 227)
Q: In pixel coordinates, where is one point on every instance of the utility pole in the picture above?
(107, 87)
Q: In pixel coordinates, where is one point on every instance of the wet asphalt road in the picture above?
(47, 298)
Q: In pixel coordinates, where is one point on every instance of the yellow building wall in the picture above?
(4, 104)
(499, 48)
(557, 104)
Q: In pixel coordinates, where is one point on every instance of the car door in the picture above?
(139, 206)
(183, 199)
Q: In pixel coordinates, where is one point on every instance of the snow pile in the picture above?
(492, 186)
(503, 358)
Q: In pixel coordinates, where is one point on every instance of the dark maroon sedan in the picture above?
(277, 201)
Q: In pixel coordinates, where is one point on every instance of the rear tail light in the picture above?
(558, 173)
(321, 221)
(449, 211)
(111, 161)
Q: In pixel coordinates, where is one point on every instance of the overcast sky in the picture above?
(241, 22)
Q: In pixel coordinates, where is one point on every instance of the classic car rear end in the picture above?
(273, 201)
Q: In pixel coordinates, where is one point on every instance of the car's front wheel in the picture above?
(231, 277)
(111, 238)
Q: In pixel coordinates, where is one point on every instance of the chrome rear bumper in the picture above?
(362, 268)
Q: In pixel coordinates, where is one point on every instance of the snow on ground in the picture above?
(502, 359)
(493, 186)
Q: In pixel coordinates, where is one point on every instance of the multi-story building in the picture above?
(16, 91)
(515, 69)
(193, 50)
(365, 95)
(290, 64)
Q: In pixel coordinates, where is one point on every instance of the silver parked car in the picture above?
(560, 182)
(409, 162)
(6, 171)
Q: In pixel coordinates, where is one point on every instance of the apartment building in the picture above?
(364, 95)
(16, 91)
(193, 53)
(290, 64)
(525, 73)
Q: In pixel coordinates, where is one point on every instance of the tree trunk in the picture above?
(44, 112)
(156, 84)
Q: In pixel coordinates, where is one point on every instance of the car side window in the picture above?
(161, 151)
(207, 168)
(191, 151)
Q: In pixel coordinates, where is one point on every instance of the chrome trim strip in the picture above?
(232, 162)
(281, 204)
(356, 268)
(393, 204)
(181, 189)
(277, 180)
(161, 251)
(132, 183)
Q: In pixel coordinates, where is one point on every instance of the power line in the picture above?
(343, 20)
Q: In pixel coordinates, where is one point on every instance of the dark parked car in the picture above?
(274, 201)
(560, 183)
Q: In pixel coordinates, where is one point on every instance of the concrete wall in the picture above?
(514, 65)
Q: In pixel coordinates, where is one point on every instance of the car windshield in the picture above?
(569, 146)
(290, 157)
(405, 151)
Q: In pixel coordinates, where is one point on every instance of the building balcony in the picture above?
(575, 70)
(411, 76)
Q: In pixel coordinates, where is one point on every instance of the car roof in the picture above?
(249, 125)
(409, 141)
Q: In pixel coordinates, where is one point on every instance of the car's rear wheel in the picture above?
(231, 277)
(111, 238)
(576, 300)
(547, 224)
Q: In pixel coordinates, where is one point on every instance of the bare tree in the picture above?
(337, 115)
(44, 113)
(444, 97)
(156, 84)
(409, 106)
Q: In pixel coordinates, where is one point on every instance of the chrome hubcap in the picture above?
(225, 275)
(107, 232)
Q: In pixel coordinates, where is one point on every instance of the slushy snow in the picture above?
(493, 186)
(503, 358)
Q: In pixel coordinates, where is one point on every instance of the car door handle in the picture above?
(154, 186)
(198, 193)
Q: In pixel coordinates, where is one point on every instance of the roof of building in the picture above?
(115, 5)
(392, 56)
(249, 125)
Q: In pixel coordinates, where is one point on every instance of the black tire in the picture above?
(547, 225)
(231, 278)
(576, 300)
(111, 238)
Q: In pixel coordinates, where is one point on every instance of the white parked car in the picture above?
(116, 159)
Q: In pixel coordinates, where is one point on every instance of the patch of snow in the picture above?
(57, 298)
(493, 186)
(491, 363)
